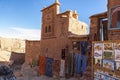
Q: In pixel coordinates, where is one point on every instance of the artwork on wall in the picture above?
(117, 55)
(118, 65)
(98, 62)
(98, 47)
(98, 54)
(98, 50)
(117, 51)
(114, 17)
(117, 46)
(97, 75)
(108, 55)
(108, 46)
(106, 60)
(108, 64)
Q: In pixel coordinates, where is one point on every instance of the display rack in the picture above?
(106, 60)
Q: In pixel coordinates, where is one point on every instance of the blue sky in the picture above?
(22, 18)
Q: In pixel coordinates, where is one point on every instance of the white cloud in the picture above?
(21, 33)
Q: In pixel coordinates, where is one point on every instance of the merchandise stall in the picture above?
(106, 60)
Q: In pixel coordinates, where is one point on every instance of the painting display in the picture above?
(106, 58)
(98, 54)
(117, 55)
(108, 46)
(98, 62)
(98, 48)
(108, 64)
(118, 65)
(108, 55)
(117, 46)
(97, 75)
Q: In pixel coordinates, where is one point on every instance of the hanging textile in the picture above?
(42, 65)
(83, 65)
(69, 63)
(80, 63)
(49, 65)
(72, 64)
(83, 46)
(56, 67)
(62, 68)
(77, 63)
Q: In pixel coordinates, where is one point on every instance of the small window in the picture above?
(49, 29)
(63, 53)
(82, 27)
(46, 29)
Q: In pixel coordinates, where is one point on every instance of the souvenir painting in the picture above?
(97, 75)
(103, 77)
(117, 55)
(96, 79)
(118, 65)
(98, 62)
(108, 64)
(108, 55)
(117, 46)
(98, 54)
(98, 47)
(110, 78)
(108, 46)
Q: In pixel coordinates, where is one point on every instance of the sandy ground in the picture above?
(43, 78)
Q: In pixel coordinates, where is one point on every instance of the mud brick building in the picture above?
(106, 25)
(56, 27)
(32, 51)
(55, 32)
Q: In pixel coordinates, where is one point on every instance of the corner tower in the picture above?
(48, 16)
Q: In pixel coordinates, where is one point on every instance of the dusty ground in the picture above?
(30, 74)
(43, 78)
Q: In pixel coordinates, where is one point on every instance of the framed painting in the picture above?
(116, 46)
(108, 64)
(97, 75)
(98, 47)
(117, 55)
(114, 18)
(108, 55)
(96, 79)
(117, 65)
(108, 46)
(98, 54)
(98, 62)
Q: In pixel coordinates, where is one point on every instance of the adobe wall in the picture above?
(113, 34)
(32, 51)
(52, 47)
(18, 58)
(15, 45)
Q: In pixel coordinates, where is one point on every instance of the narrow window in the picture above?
(46, 29)
(49, 29)
(82, 26)
(63, 53)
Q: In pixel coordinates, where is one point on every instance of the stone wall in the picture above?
(53, 47)
(32, 51)
(18, 58)
(15, 45)
(94, 22)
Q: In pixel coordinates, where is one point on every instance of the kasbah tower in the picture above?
(56, 29)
